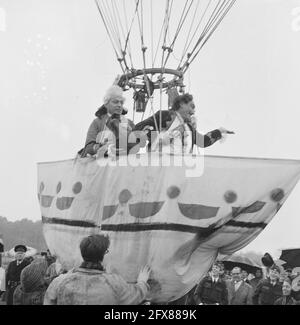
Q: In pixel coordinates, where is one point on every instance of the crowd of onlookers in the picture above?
(274, 286)
(42, 280)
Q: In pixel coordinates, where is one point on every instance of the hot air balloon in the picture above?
(174, 212)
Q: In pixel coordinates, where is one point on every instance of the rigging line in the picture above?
(114, 24)
(151, 16)
(202, 35)
(127, 30)
(166, 20)
(117, 14)
(189, 32)
(108, 32)
(131, 24)
(218, 22)
(101, 11)
(160, 35)
(151, 110)
(110, 26)
(145, 78)
(140, 23)
(212, 31)
(157, 47)
(181, 20)
(134, 109)
(118, 17)
(216, 17)
(160, 105)
(194, 34)
(181, 23)
(166, 25)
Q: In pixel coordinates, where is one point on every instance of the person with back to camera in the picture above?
(90, 284)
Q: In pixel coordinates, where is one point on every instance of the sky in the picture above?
(56, 62)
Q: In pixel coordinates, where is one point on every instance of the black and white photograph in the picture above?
(150, 155)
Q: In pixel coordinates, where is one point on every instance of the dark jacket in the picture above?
(289, 300)
(254, 282)
(98, 125)
(209, 292)
(13, 274)
(165, 122)
(266, 294)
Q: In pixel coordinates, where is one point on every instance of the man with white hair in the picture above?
(110, 127)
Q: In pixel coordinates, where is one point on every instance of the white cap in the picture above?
(112, 92)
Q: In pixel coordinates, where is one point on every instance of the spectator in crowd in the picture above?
(289, 272)
(296, 288)
(296, 271)
(90, 284)
(222, 270)
(227, 275)
(258, 277)
(268, 290)
(239, 292)
(54, 270)
(250, 277)
(212, 290)
(2, 281)
(244, 276)
(48, 257)
(286, 298)
(32, 289)
(283, 276)
(13, 272)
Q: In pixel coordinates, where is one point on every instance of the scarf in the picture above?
(92, 265)
(177, 139)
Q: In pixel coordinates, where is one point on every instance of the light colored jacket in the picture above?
(2, 279)
(94, 287)
(96, 128)
(243, 295)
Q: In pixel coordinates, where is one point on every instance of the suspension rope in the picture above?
(128, 32)
(211, 32)
(218, 14)
(112, 22)
(109, 35)
(180, 24)
(203, 33)
(188, 40)
(132, 21)
(152, 42)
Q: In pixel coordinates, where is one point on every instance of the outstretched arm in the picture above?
(210, 138)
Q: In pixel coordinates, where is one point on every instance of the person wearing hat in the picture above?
(110, 129)
(13, 272)
(90, 284)
(32, 288)
(270, 289)
(286, 298)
